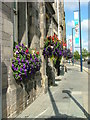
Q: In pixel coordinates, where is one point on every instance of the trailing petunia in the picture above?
(25, 63)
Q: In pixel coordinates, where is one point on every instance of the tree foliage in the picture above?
(84, 53)
(76, 55)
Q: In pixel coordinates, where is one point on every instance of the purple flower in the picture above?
(44, 49)
(18, 59)
(31, 66)
(30, 56)
(13, 61)
(26, 61)
(22, 60)
(31, 59)
(12, 65)
(15, 68)
(19, 75)
(17, 47)
(16, 52)
(21, 69)
(22, 51)
(24, 66)
(16, 75)
(19, 44)
(34, 55)
(19, 63)
(60, 53)
(23, 46)
(21, 78)
(25, 70)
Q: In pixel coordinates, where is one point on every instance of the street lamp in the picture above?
(80, 37)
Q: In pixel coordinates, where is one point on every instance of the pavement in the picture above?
(84, 63)
(86, 68)
(68, 98)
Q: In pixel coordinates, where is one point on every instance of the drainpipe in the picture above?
(58, 19)
(15, 26)
(26, 24)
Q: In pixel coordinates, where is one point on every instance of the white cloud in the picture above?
(84, 25)
(74, 1)
(70, 24)
(74, 4)
(84, 43)
(71, 5)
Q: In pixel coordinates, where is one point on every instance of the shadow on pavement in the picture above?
(57, 79)
(78, 104)
(69, 69)
(58, 115)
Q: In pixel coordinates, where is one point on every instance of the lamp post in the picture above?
(72, 46)
(80, 36)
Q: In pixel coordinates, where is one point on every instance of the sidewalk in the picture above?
(59, 102)
(84, 68)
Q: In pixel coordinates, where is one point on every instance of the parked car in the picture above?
(88, 61)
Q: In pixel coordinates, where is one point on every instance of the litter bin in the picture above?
(61, 69)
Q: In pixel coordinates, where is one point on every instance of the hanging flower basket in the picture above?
(25, 63)
(54, 49)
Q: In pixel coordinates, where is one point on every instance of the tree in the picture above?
(84, 53)
(76, 55)
(88, 54)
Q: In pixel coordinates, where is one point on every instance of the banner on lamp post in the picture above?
(76, 22)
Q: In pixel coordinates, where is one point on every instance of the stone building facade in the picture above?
(27, 23)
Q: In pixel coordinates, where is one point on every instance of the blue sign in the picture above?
(77, 40)
(76, 23)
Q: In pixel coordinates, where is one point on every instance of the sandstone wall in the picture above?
(15, 98)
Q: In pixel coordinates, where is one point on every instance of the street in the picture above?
(67, 99)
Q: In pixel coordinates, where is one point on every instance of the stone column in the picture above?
(63, 19)
(43, 33)
(60, 20)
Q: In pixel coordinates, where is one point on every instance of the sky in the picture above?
(69, 8)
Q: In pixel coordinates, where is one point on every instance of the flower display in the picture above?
(54, 48)
(67, 54)
(25, 63)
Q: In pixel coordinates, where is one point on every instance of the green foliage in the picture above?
(76, 55)
(88, 54)
(24, 62)
(84, 53)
